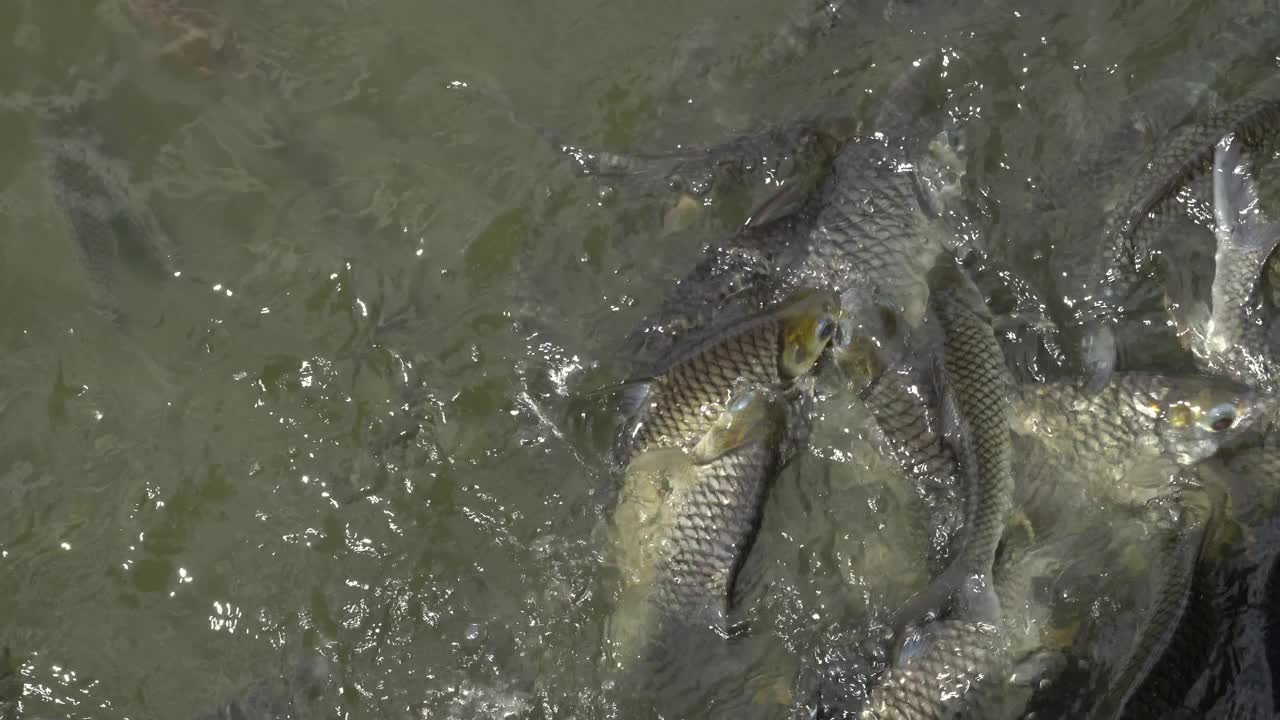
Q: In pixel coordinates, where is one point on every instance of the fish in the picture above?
(898, 388)
(739, 276)
(1180, 164)
(1251, 472)
(893, 207)
(976, 386)
(685, 522)
(195, 37)
(1235, 340)
(1081, 267)
(953, 658)
(971, 667)
(702, 170)
(1183, 157)
(1268, 578)
(861, 228)
(875, 237)
(678, 404)
(284, 696)
(112, 227)
(1137, 421)
(786, 160)
(1253, 690)
(945, 657)
(868, 228)
(1186, 620)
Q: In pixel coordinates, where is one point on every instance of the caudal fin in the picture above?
(1236, 210)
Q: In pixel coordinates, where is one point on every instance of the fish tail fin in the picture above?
(932, 600)
(1098, 353)
(1036, 665)
(1235, 196)
(630, 394)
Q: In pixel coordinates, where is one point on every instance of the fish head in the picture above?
(1196, 415)
(809, 321)
(857, 356)
(754, 414)
(950, 284)
(866, 342)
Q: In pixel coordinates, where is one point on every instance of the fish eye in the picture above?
(826, 328)
(1221, 417)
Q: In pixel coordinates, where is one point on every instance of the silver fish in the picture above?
(1236, 340)
(685, 521)
(977, 386)
(1182, 161)
(678, 404)
(285, 696)
(969, 667)
(903, 400)
(109, 223)
(1137, 421)
(869, 231)
(1185, 619)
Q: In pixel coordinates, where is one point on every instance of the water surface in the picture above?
(371, 244)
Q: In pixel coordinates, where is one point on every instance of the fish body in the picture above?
(964, 667)
(869, 230)
(1184, 623)
(1168, 176)
(111, 226)
(904, 403)
(1236, 341)
(737, 278)
(1137, 419)
(702, 170)
(1184, 157)
(1251, 474)
(938, 680)
(1268, 580)
(685, 521)
(874, 239)
(285, 696)
(679, 404)
(1178, 171)
(195, 37)
(976, 387)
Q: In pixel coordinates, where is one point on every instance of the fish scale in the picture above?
(902, 404)
(1178, 170)
(962, 667)
(962, 647)
(1115, 427)
(1235, 339)
(1098, 442)
(873, 237)
(687, 392)
(711, 532)
(869, 230)
(977, 380)
(1184, 156)
(679, 401)
(959, 656)
(687, 522)
(1182, 628)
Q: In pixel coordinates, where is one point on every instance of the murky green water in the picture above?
(204, 494)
